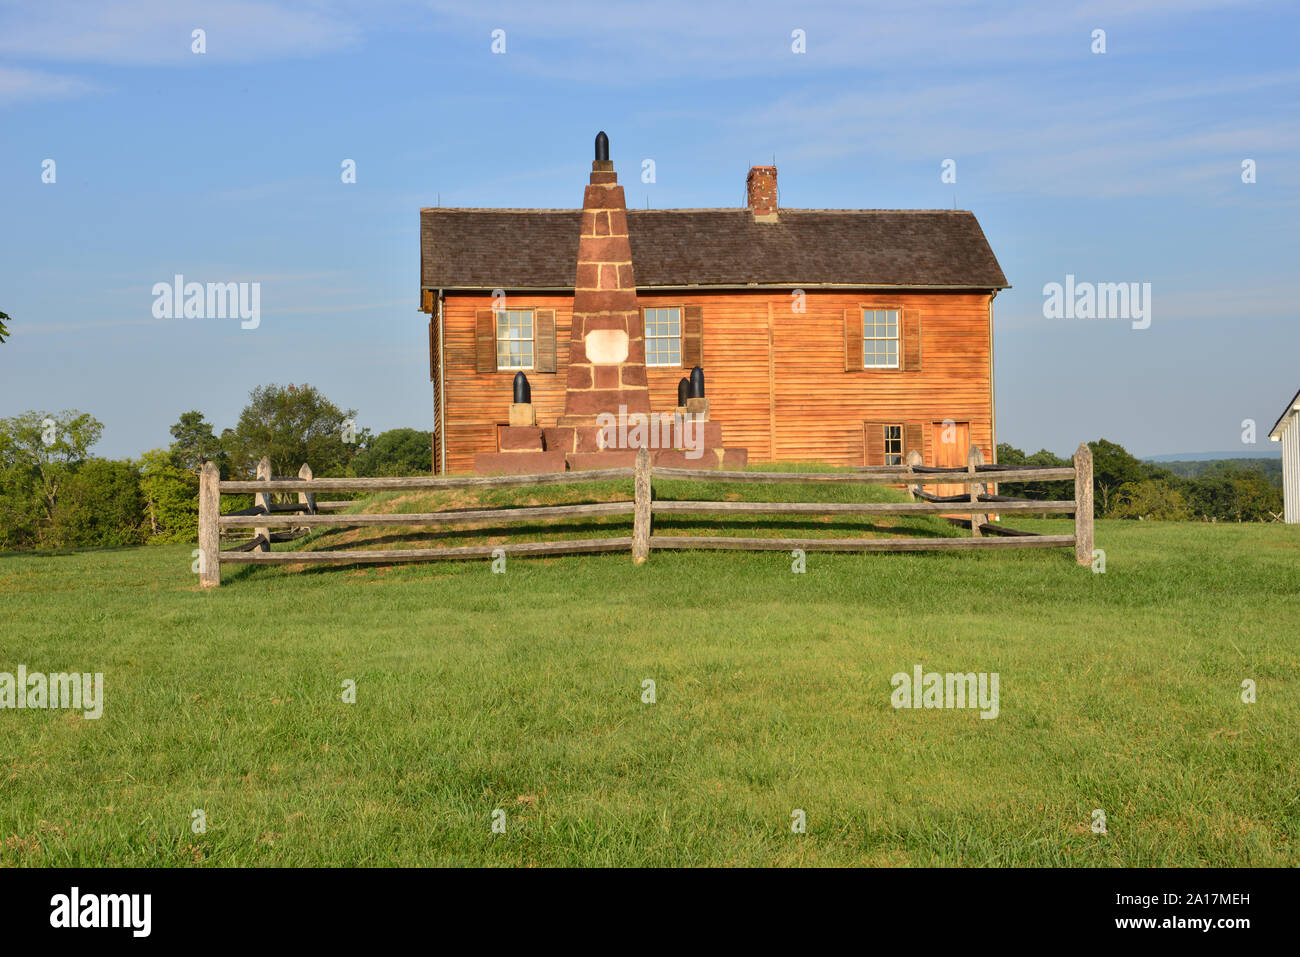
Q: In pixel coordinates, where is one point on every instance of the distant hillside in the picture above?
(1270, 468)
(1266, 450)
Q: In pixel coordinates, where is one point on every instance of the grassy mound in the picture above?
(756, 526)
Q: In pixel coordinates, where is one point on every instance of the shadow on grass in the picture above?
(703, 527)
(441, 537)
(71, 550)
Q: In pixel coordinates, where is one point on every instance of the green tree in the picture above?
(1113, 466)
(1041, 491)
(1150, 499)
(170, 498)
(22, 513)
(99, 504)
(4, 328)
(1255, 499)
(193, 442)
(291, 425)
(395, 452)
(1229, 494)
(45, 449)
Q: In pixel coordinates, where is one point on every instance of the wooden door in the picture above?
(950, 453)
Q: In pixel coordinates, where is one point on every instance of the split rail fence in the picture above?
(306, 514)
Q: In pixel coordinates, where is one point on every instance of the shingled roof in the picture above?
(675, 248)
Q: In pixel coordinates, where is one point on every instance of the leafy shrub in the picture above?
(395, 452)
(99, 504)
(1150, 499)
(170, 496)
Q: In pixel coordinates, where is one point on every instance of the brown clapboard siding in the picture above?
(810, 386)
(762, 363)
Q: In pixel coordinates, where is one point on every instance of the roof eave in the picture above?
(1275, 434)
(718, 287)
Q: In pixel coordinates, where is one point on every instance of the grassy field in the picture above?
(523, 692)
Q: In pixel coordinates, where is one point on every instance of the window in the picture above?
(880, 338)
(663, 337)
(515, 339)
(893, 445)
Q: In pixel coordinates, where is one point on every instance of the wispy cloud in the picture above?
(147, 32)
(1103, 143)
(18, 85)
(310, 310)
(24, 328)
(689, 39)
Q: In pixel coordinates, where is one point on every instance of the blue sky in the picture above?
(1115, 167)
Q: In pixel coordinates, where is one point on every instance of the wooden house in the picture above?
(1287, 431)
(830, 335)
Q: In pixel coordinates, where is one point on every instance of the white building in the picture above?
(1287, 431)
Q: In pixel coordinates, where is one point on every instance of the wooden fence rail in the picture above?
(307, 513)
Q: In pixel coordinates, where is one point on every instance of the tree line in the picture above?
(1127, 487)
(54, 493)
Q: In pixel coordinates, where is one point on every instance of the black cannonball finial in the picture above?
(697, 383)
(683, 390)
(523, 391)
(602, 146)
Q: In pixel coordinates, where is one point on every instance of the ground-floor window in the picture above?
(893, 445)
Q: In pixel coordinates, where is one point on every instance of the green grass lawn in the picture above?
(523, 692)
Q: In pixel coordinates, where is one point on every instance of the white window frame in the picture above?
(870, 330)
(681, 312)
(530, 339)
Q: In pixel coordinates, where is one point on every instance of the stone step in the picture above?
(520, 438)
(587, 438)
(559, 439)
(709, 458)
(616, 459)
(518, 463)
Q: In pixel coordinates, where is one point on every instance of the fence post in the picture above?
(973, 458)
(209, 529)
(914, 458)
(263, 501)
(641, 515)
(307, 498)
(1083, 505)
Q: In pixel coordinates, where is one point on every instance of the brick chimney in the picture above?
(760, 190)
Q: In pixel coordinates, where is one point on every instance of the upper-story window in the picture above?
(515, 339)
(880, 338)
(663, 336)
